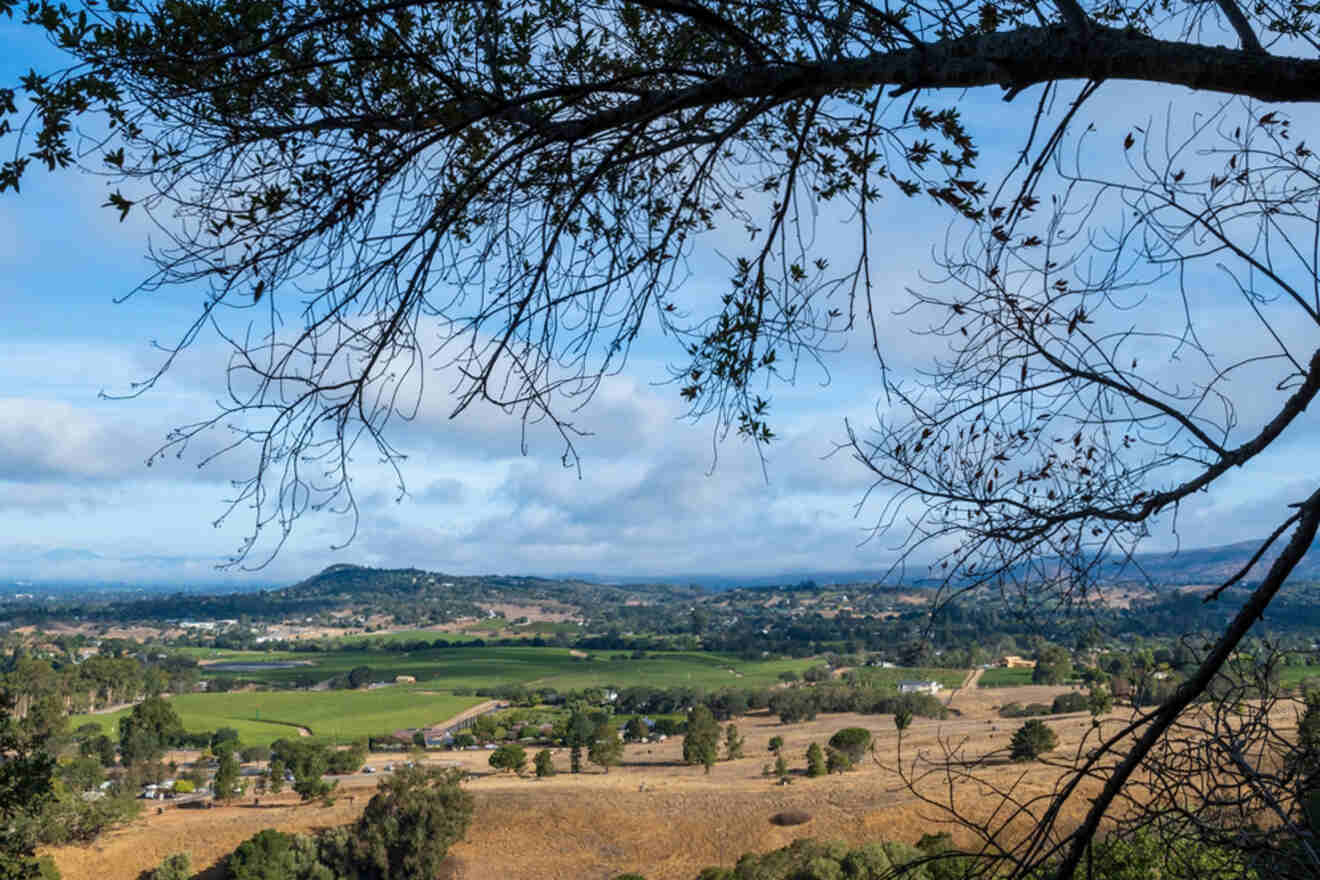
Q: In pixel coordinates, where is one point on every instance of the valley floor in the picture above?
(653, 815)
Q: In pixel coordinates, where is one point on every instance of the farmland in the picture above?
(996, 678)
(263, 717)
(652, 814)
(559, 668)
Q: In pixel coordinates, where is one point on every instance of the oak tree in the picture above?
(515, 191)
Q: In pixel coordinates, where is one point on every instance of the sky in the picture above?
(656, 495)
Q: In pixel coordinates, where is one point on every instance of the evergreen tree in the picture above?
(815, 760)
(275, 776)
(1032, 740)
(606, 749)
(226, 783)
(701, 743)
(733, 743)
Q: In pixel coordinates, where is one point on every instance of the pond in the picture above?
(256, 665)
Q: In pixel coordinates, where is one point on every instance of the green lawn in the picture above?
(992, 678)
(261, 718)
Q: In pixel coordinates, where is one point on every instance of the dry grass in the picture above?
(653, 815)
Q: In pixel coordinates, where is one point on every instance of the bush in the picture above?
(407, 828)
(815, 760)
(1073, 702)
(837, 762)
(175, 867)
(818, 673)
(509, 757)
(278, 855)
(852, 742)
(252, 754)
(184, 786)
(545, 763)
(1032, 740)
(1017, 710)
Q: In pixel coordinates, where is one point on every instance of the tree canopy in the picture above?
(409, 825)
(514, 192)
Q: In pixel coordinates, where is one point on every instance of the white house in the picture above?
(918, 687)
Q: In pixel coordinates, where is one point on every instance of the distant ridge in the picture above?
(1200, 565)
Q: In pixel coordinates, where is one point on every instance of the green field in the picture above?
(1291, 676)
(994, 678)
(263, 717)
(447, 668)
(889, 678)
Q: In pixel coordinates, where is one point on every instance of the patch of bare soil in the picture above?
(541, 612)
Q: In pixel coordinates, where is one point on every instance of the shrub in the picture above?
(407, 828)
(837, 762)
(175, 867)
(184, 786)
(815, 760)
(509, 757)
(1072, 702)
(852, 742)
(277, 854)
(1017, 710)
(818, 673)
(1032, 740)
(545, 763)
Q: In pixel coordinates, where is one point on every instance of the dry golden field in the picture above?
(653, 815)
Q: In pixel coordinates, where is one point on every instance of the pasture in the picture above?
(1292, 676)
(559, 668)
(995, 678)
(949, 679)
(334, 716)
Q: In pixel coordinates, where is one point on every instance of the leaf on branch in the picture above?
(116, 200)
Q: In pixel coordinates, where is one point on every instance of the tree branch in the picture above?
(1240, 24)
(1010, 59)
(1250, 612)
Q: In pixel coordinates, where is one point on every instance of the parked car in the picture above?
(368, 769)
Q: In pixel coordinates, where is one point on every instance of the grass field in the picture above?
(1292, 676)
(994, 678)
(262, 718)
(889, 678)
(446, 668)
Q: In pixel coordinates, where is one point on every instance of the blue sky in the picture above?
(654, 496)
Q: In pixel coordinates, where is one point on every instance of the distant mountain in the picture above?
(1213, 565)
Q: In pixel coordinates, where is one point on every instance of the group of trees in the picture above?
(71, 685)
(517, 191)
(404, 833)
(802, 703)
